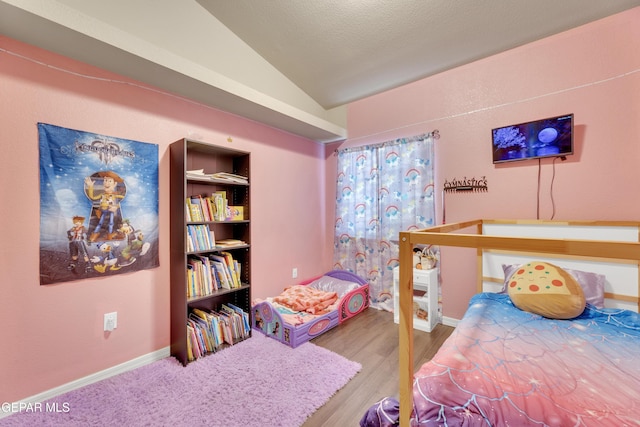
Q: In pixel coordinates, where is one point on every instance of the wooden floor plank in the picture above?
(371, 339)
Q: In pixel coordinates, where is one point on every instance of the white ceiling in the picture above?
(291, 64)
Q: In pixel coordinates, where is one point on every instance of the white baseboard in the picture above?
(90, 379)
(450, 321)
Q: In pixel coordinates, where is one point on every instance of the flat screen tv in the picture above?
(551, 137)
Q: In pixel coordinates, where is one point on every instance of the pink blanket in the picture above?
(502, 366)
(304, 298)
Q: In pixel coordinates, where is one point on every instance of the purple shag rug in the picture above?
(258, 382)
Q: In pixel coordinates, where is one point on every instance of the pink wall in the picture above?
(591, 71)
(53, 334)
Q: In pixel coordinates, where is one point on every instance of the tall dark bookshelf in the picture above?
(187, 155)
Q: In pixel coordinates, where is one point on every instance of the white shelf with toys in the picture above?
(425, 306)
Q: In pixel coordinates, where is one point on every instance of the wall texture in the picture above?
(53, 334)
(592, 71)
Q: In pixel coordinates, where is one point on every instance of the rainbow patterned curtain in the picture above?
(381, 190)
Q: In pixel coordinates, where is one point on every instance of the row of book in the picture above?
(200, 238)
(208, 330)
(207, 274)
(206, 208)
(212, 208)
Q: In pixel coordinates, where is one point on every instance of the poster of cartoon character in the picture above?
(98, 205)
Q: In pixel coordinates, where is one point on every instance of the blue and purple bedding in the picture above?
(506, 367)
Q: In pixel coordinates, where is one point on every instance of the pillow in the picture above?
(592, 283)
(331, 284)
(546, 289)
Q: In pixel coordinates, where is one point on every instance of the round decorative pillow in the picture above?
(546, 289)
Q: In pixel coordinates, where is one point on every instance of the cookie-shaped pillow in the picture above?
(546, 289)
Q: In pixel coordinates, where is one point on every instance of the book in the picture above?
(197, 340)
(192, 238)
(229, 243)
(192, 211)
(215, 317)
(187, 210)
(207, 330)
(207, 237)
(194, 266)
(207, 285)
(190, 343)
(191, 288)
(199, 174)
(216, 282)
(225, 176)
(221, 205)
(220, 264)
(195, 172)
(195, 209)
(233, 268)
(189, 243)
(212, 331)
(236, 213)
(245, 319)
(204, 205)
(211, 206)
(238, 268)
(227, 331)
(200, 244)
(200, 237)
(202, 329)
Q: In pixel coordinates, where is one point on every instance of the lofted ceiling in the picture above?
(290, 64)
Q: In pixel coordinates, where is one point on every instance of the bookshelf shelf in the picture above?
(216, 294)
(216, 249)
(193, 240)
(242, 221)
(215, 181)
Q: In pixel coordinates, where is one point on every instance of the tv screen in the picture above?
(552, 137)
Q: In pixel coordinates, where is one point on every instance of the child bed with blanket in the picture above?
(552, 339)
(302, 312)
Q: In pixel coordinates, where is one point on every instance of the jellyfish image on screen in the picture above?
(547, 136)
(550, 137)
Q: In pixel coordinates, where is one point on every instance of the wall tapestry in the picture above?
(98, 205)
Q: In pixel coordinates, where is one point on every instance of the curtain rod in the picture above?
(435, 134)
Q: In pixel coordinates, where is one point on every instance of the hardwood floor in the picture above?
(371, 339)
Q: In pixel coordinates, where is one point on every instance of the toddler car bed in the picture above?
(304, 311)
(520, 356)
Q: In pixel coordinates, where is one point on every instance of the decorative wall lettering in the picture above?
(466, 184)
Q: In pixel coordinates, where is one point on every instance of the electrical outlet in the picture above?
(294, 273)
(110, 321)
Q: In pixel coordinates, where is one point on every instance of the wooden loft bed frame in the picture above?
(451, 235)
